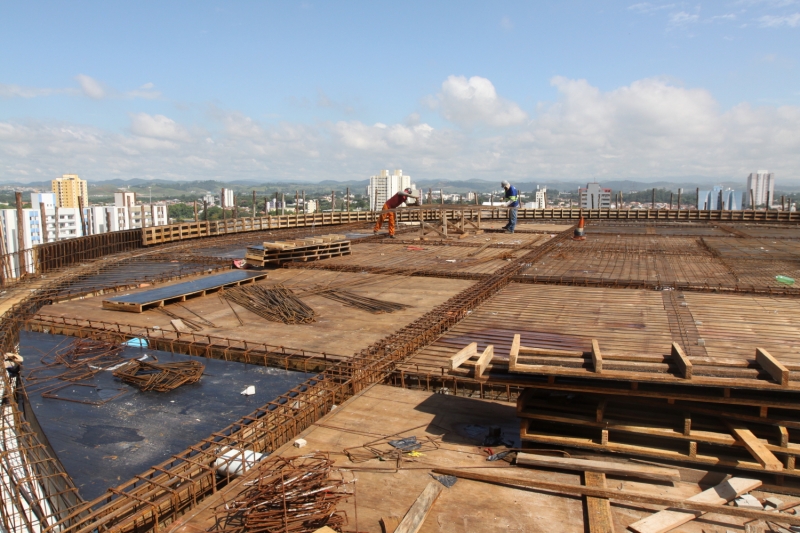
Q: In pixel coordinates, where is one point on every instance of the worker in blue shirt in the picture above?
(512, 202)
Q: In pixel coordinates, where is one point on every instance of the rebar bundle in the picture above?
(371, 305)
(277, 303)
(159, 377)
(297, 495)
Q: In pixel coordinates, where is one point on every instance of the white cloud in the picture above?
(647, 7)
(728, 17)
(650, 128)
(682, 18)
(91, 87)
(774, 21)
(157, 127)
(474, 102)
(506, 24)
(16, 91)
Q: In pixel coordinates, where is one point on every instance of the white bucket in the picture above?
(230, 463)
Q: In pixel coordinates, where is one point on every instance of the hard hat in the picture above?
(411, 192)
(504, 183)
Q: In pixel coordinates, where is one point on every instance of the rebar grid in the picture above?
(165, 490)
(146, 502)
(36, 491)
(201, 345)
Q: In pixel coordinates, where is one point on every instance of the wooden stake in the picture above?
(43, 214)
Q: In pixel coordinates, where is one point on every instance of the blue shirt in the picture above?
(512, 194)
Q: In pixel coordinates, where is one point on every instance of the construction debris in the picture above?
(80, 360)
(297, 495)
(159, 377)
(276, 303)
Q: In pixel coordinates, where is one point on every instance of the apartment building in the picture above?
(760, 189)
(384, 185)
(68, 188)
(593, 196)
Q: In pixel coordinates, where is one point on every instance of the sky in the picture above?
(269, 91)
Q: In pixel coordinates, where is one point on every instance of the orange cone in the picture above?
(580, 234)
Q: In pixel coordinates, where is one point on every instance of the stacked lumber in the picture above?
(309, 249)
(731, 414)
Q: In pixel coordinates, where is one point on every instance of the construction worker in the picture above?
(512, 202)
(393, 203)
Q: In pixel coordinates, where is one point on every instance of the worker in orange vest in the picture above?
(393, 203)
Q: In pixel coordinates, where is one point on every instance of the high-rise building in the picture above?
(719, 198)
(68, 188)
(385, 185)
(226, 198)
(595, 197)
(760, 189)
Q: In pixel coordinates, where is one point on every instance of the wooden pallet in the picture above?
(261, 255)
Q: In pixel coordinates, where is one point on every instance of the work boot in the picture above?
(375, 232)
(509, 231)
(391, 236)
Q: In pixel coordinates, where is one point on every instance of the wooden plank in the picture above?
(483, 361)
(634, 497)
(415, 517)
(773, 367)
(513, 354)
(389, 524)
(180, 326)
(681, 361)
(669, 519)
(548, 437)
(754, 446)
(597, 357)
(603, 467)
(463, 355)
(549, 351)
(598, 509)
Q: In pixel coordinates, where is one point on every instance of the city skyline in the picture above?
(633, 90)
